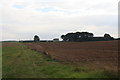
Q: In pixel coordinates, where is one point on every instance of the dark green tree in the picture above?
(63, 37)
(108, 37)
(78, 36)
(36, 38)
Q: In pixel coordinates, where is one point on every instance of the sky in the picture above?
(22, 19)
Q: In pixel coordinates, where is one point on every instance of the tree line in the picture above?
(84, 36)
(76, 37)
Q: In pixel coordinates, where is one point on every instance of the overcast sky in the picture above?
(22, 19)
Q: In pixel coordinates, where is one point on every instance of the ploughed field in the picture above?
(103, 54)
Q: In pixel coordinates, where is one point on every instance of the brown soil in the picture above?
(103, 54)
(9, 44)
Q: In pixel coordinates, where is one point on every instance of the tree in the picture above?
(36, 38)
(90, 35)
(108, 37)
(63, 37)
(78, 36)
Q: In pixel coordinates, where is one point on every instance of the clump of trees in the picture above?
(108, 37)
(84, 36)
(36, 38)
(78, 36)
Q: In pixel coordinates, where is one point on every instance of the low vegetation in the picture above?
(21, 62)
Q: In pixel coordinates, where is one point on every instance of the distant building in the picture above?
(55, 40)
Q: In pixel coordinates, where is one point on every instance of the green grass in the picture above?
(20, 62)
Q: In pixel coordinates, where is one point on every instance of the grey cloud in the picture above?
(72, 15)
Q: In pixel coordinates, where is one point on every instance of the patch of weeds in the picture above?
(111, 74)
(79, 70)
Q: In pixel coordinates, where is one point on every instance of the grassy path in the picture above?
(20, 62)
